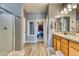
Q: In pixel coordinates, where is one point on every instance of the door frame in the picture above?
(44, 29)
(13, 33)
(28, 21)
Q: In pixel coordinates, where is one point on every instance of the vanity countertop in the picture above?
(68, 36)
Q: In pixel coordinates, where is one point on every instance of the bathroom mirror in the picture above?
(57, 24)
(77, 21)
(66, 24)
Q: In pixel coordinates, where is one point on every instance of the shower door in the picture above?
(6, 20)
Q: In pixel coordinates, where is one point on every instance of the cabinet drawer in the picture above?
(57, 37)
(73, 52)
(65, 41)
(54, 36)
(74, 45)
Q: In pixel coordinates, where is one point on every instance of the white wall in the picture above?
(54, 10)
(12, 7)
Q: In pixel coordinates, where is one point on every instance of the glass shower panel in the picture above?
(5, 33)
(18, 33)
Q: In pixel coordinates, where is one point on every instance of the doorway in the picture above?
(40, 30)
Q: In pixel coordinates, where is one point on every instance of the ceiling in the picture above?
(35, 7)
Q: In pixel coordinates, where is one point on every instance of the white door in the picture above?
(5, 33)
(31, 31)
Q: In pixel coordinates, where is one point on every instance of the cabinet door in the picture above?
(58, 44)
(73, 52)
(55, 45)
(64, 49)
(65, 41)
(73, 49)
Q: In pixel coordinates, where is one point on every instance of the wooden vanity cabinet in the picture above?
(67, 47)
(73, 49)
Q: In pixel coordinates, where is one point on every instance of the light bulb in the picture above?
(70, 9)
(69, 6)
(62, 12)
(66, 12)
(65, 9)
(74, 6)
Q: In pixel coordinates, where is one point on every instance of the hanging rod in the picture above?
(9, 11)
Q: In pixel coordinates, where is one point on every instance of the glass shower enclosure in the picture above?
(6, 30)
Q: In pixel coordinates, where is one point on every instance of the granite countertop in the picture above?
(68, 37)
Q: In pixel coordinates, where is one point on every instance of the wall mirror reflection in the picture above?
(66, 24)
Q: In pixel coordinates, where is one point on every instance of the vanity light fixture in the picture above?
(68, 8)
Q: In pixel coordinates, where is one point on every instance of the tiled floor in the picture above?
(39, 49)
